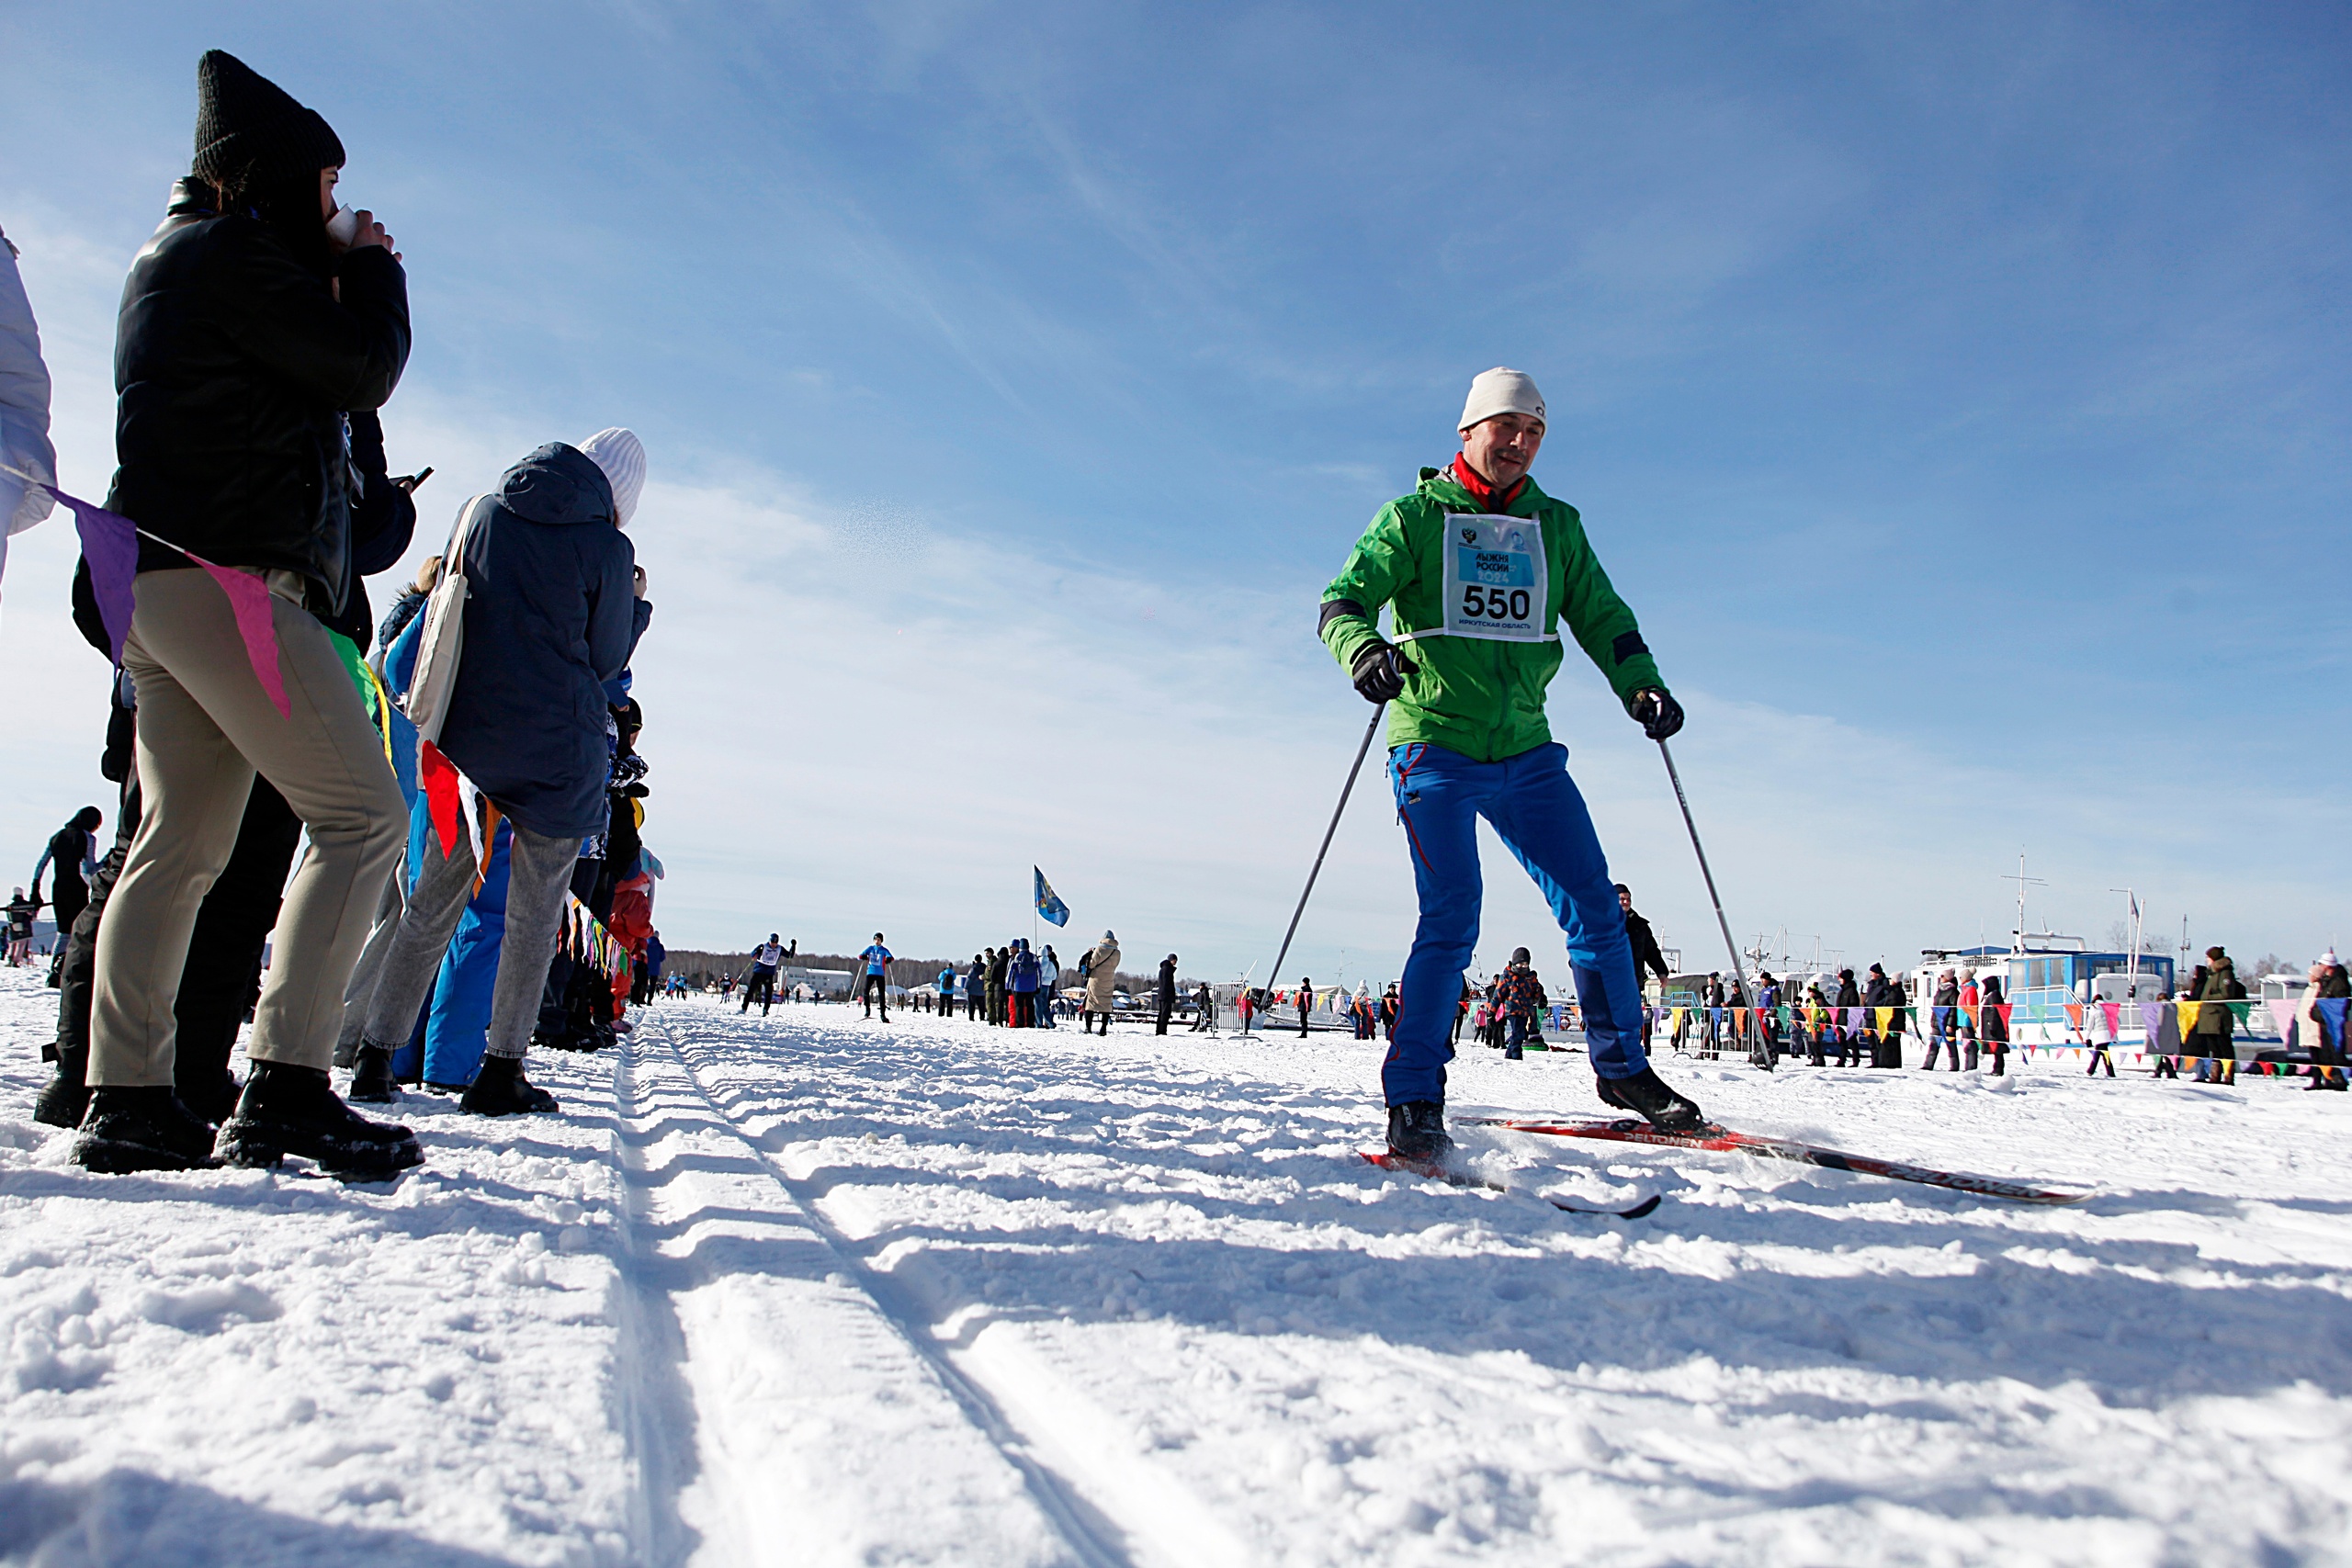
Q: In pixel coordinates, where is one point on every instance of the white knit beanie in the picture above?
(622, 456)
(1501, 391)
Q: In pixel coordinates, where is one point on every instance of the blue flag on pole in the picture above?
(1049, 903)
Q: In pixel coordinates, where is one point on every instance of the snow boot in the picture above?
(64, 1100)
(1514, 1054)
(141, 1129)
(1647, 1093)
(1417, 1132)
(287, 1109)
(210, 1092)
(501, 1090)
(371, 1074)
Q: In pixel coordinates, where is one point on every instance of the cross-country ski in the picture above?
(1720, 1139)
(1453, 1176)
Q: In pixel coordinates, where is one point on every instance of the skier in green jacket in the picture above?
(1481, 571)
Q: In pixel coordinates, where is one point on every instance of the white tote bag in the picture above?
(441, 643)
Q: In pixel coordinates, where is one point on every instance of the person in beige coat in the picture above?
(1101, 967)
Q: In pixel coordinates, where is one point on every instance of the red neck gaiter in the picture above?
(1480, 490)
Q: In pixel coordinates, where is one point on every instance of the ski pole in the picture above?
(1345, 790)
(1762, 1054)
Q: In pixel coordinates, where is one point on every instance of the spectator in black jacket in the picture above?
(247, 333)
(221, 978)
(1849, 1026)
(1995, 1028)
(1887, 1049)
(1167, 997)
(71, 860)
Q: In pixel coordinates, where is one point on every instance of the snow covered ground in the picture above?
(804, 1290)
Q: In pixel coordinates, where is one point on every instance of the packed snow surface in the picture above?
(806, 1289)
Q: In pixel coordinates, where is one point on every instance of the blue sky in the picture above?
(1957, 394)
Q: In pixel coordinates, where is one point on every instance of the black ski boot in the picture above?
(141, 1129)
(1646, 1094)
(64, 1100)
(287, 1109)
(1417, 1132)
(371, 1074)
(501, 1090)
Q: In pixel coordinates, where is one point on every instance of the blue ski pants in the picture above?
(1536, 810)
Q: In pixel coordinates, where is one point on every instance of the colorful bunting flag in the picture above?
(110, 544)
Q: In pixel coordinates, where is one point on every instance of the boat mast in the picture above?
(2131, 968)
(2016, 941)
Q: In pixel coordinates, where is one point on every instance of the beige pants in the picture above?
(205, 728)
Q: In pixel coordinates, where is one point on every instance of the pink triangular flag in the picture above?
(249, 599)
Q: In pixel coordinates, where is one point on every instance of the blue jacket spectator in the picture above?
(551, 616)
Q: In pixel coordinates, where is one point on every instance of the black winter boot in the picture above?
(371, 1074)
(287, 1109)
(1417, 1132)
(64, 1100)
(209, 1092)
(501, 1090)
(1646, 1094)
(141, 1129)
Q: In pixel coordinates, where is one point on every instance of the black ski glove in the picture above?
(1379, 671)
(1658, 713)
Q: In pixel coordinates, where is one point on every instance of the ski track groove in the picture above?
(1103, 1526)
(656, 1410)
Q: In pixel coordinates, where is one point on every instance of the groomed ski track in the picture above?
(805, 1290)
(822, 1374)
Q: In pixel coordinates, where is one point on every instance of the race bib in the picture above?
(1495, 580)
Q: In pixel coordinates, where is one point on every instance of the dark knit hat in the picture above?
(250, 132)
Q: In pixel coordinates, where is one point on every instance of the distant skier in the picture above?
(1204, 1008)
(877, 977)
(760, 985)
(1306, 1001)
(1480, 570)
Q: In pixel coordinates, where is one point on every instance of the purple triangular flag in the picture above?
(110, 544)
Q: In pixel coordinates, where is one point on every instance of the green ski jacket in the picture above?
(1461, 598)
